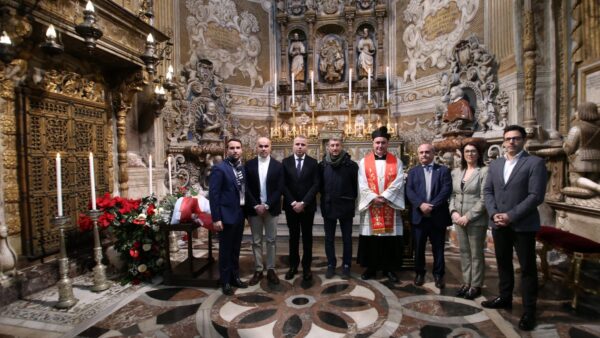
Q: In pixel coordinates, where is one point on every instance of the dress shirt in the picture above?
(263, 168)
(509, 165)
(427, 170)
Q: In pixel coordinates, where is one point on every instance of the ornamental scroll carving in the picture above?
(70, 84)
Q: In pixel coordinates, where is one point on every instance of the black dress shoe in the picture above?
(227, 290)
(272, 277)
(238, 283)
(497, 303)
(368, 274)
(462, 291)
(307, 275)
(290, 273)
(527, 322)
(258, 275)
(473, 293)
(439, 282)
(419, 280)
(391, 275)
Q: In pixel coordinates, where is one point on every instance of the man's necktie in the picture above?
(299, 166)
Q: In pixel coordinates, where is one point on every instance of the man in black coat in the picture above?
(263, 205)
(339, 190)
(301, 179)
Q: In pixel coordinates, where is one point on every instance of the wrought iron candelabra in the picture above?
(100, 282)
(66, 299)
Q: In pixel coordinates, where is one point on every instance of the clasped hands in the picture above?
(501, 219)
(460, 220)
(379, 201)
(298, 206)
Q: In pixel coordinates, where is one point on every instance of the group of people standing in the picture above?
(504, 197)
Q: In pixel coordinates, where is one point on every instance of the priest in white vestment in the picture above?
(381, 199)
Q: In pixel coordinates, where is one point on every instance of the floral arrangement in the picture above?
(134, 223)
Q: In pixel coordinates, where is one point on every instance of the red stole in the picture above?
(382, 218)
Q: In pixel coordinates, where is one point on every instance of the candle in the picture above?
(5, 39)
(293, 89)
(150, 173)
(59, 200)
(150, 38)
(170, 182)
(350, 86)
(92, 181)
(387, 83)
(51, 32)
(369, 85)
(275, 87)
(170, 72)
(89, 6)
(312, 87)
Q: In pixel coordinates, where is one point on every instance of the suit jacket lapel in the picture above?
(435, 172)
(229, 170)
(473, 177)
(518, 166)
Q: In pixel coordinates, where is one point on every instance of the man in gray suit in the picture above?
(515, 186)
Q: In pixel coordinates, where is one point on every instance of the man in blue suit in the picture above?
(263, 205)
(515, 186)
(227, 185)
(428, 188)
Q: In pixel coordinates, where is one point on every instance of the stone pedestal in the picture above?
(573, 216)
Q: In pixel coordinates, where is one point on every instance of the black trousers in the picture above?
(300, 223)
(436, 234)
(505, 239)
(230, 241)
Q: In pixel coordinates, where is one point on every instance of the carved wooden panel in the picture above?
(74, 127)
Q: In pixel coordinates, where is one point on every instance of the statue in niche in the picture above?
(458, 108)
(582, 147)
(331, 63)
(366, 51)
(297, 52)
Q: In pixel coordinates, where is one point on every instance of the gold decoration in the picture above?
(73, 85)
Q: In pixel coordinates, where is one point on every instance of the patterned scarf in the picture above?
(240, 180)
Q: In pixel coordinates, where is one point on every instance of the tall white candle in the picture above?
(369, 85)
(293, 89)
(312, 87)
(275, 87)
(170, 182)
(92, 181)
(59, 200)
(387, 83)
(350, 85)
(150, 173)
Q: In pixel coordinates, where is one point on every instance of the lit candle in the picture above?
(312, 87)
(350, 85)
(387, 83)
(51, 32)
(59, 186)
(93, 181)
(170, 181)
(275, 86)
(369, 85)
(5, 39)
(293, 90)
(170, 73)
(89, 6)
(150, 38)
(150, 173)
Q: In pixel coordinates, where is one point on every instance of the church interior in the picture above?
(112, 109)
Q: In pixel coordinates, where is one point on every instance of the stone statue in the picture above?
(458, 108)
(297, 52)
(331, 63)
(582, 147)
(366, 51)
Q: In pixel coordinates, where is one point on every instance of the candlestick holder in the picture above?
(312, 130)
(276, 132)
(349, 130)
(368, 125)
(100, 282)
(391, 129)
(293, 106)
(66, 299)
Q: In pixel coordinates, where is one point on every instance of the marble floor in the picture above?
(322, 308)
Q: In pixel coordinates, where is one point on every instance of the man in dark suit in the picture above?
(300, 189)
(263, 205)
(339, 190)
(515, 186)
(227, 187)
(428, 188)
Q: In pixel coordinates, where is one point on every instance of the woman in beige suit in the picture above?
(467, 209)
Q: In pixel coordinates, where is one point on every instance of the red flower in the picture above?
(134, 253)
(136, 245)
(105, 201)
(85, 222)
(105, 220)
(139, 221)
(151, 210)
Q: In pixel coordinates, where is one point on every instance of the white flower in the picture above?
(147, 247)
(141, 217)
(142, 268)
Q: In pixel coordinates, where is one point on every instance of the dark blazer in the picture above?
(224, 196)
(303, 188)
(441, 188)
(521, 195)
(274, 186)
(339, 188)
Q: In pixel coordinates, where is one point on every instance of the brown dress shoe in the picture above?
(272, 277)
(258, 275)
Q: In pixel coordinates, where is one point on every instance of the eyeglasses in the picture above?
(513, 139)
(263, 146)
(470, 151)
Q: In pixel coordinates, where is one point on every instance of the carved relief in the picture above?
(296, 7)
(235, 48)
(428, 37)
(332, 60)
(329, 6)
(71, 84)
